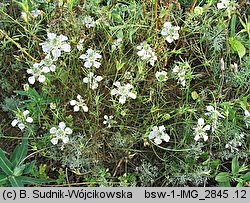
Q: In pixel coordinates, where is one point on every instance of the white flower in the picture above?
(123, 91)
(171, 32)
(161, 76)
(79, 45)
(79, 103)
(227, 4)
(158, 135)
(55, 45)
(247, 118)
(89, 22)
(24, 16)
(47, 64)
(116, 44)
(223, 4)
(200, 130)
(35, 13)
(21, 120)
(214, 116)
(61, 132)
(146, 53)
(92, 80)
(37, 72)
(236, 142)
(108, 120)
(181, 74)
(91, 58)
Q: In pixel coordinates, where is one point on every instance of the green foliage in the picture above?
(14, 169)
(193, 95)
(238, 174)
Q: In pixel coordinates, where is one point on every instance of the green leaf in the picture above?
(29, 167)
(15, 182)
(233, 25)
(222, 177)
(237, 46)
(20, 152)
(224, 184)
(246, 177)
(240, 184)
(235, 166)
(3, 179)
(30, 180)
(5, 164)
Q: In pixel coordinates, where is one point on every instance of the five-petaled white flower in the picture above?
(88, 21)
(38, 73)
(158, 135)
(92, 80)
(79, 103)
(61, 132)
(200, 130)
(108, 120)
(123, 91)
(55, 45)
(21, 120)
(181, 74)
(161, 76)
(171, 32)
(91, 58)
(146, 53)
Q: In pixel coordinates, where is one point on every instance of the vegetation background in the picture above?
(198, 89)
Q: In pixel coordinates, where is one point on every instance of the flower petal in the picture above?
(14, 122)
(68, 131)
(54, 141)
(62, 125)
(52, 130)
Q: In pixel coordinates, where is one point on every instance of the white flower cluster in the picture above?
(158, 135)
(88, 21)
(237, 142)
(38, 70)
(161, 76)
(53, 48)
(60, 133)
(146, 53)
(180, 71)
(91, 58)
(170, 32)
(80, 103)
(55, 45)
(214, 115)
(92, 80)
(200, 130)
(123, 91)
(108, 120)
(21, 120)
